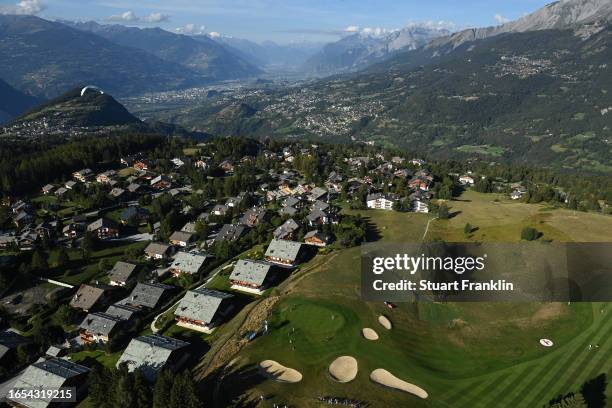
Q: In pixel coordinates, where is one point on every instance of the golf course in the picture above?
(449, 354)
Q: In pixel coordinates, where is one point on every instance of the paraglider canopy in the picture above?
(91, 87)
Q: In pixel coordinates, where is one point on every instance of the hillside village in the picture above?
(109, 258)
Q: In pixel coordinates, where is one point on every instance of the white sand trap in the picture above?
(386, 323)
(279, 372)
(343, 369)
(369, 334)
(387, 379)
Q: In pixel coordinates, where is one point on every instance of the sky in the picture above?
(282, 21)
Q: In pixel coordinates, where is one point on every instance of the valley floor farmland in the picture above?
(463, 355)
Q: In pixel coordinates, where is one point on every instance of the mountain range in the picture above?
(201, 54)
(358, 50)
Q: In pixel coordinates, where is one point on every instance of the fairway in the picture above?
(461, 354)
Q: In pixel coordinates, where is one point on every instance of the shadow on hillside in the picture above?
(234, 389)
(372, 231)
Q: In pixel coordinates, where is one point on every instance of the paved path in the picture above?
(427, 228)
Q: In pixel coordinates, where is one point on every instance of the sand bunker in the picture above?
(279, 372)
(343, 369)
(387, 379)
(385, 322)
(369, 334)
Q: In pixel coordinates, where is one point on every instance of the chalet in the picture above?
(181, 239)
(61, 192)
(117, 193)
(417, 162)
(317, 217)
(157, 250)
(104, 228)
(230, 232)
(397, 160)
(518, 193)
(178, 162)
(122, 273)
(403, 173)
(99, 328)
(227, 166)
(161, 182)
(188, 263)
(466, 180)
(22, 219)
(82, 175)
(48, 189)
(419, 183)
(70, 184)
(28, 240)
(381, 201)
(283, 252)
(88, 297)
(123, 312)
(234, 202)
(293, 201)
(141, 165)
(316, 238)
(147, 295)
(317, 193)
(220, 210)
(254, 216)
(7, 241)
(127, 161)
(133, 187)
(106, 177)
(134, 214)
(50, 374)
(152, 353)
(287, 230)
(73, 230)
(202, 309)
(189, 227)
(46, 230)
(250, 276)
(290, 211)
(202, 164)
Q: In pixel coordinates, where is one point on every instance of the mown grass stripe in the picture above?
(590, 353)
(565, 366)
(606, 356)
(458, 392)
(512, 385)
(475, 392)
(482, 395)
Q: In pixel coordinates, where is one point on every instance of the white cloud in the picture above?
(500, 19)
(131, 17)
(24, 7)
(127, 17)
(434, 25)
(191, 29)
(156, 18)
(214, 34)
(352, 29)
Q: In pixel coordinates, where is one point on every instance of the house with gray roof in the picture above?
(283, 252)
(152, 353)
(187, 262)
(287, 230)
(99, 327)
(254, 216)
(88, 297)
(157, 250)
(104, 228)
(123, 312)
(51, 373)
(181, 238)
(202, 309)
(148, 295)
(230, 232)
(122, 273)
(250, 276)
(317, 193)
